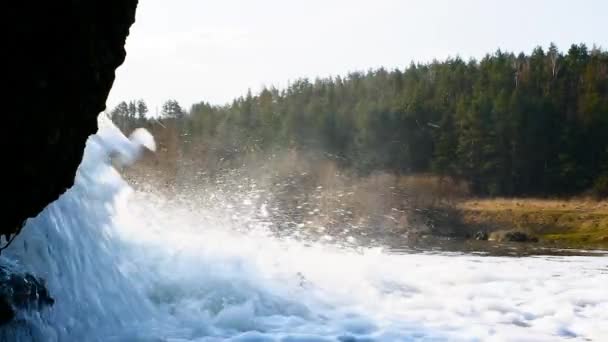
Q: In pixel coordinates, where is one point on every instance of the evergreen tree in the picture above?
(172, 110)
(508, 124)
(142, 111)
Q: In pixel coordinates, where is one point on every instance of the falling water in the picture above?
(126, 265)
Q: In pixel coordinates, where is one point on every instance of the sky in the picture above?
(214, 51)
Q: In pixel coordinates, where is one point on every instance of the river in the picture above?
(127, 265)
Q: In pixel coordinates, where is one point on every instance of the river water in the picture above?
(126, 265)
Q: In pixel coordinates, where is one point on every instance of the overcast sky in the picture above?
(203, 50)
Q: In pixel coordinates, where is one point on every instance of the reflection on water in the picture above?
(432, 245)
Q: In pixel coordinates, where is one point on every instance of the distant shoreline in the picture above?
(576, 223)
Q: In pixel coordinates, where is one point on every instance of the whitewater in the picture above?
(127, 265)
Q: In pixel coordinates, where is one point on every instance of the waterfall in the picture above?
(126, 265)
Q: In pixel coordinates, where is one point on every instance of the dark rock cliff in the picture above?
(61, 58)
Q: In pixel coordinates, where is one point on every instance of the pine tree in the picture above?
(142, 111)
(172, 110)
(508, 124)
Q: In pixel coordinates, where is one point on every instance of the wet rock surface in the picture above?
(512, 236)
(519, 237)
(481, 235)
(21, 291)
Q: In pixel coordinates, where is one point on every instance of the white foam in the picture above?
(131, 266)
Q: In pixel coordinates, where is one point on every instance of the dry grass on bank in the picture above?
(575, 222)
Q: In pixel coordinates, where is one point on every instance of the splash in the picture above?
(126, 265)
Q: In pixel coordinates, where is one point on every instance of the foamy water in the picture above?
(131, 266)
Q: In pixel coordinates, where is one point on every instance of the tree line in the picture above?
(510, 125)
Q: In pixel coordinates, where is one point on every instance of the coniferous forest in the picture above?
(509, 124)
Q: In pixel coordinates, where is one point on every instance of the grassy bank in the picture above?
(572, 223)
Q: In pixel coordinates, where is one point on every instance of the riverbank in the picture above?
(569, 223)
(319, 197)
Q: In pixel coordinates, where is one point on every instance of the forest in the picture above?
(508, 124)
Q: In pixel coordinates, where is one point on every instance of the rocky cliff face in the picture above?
(62, 55)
